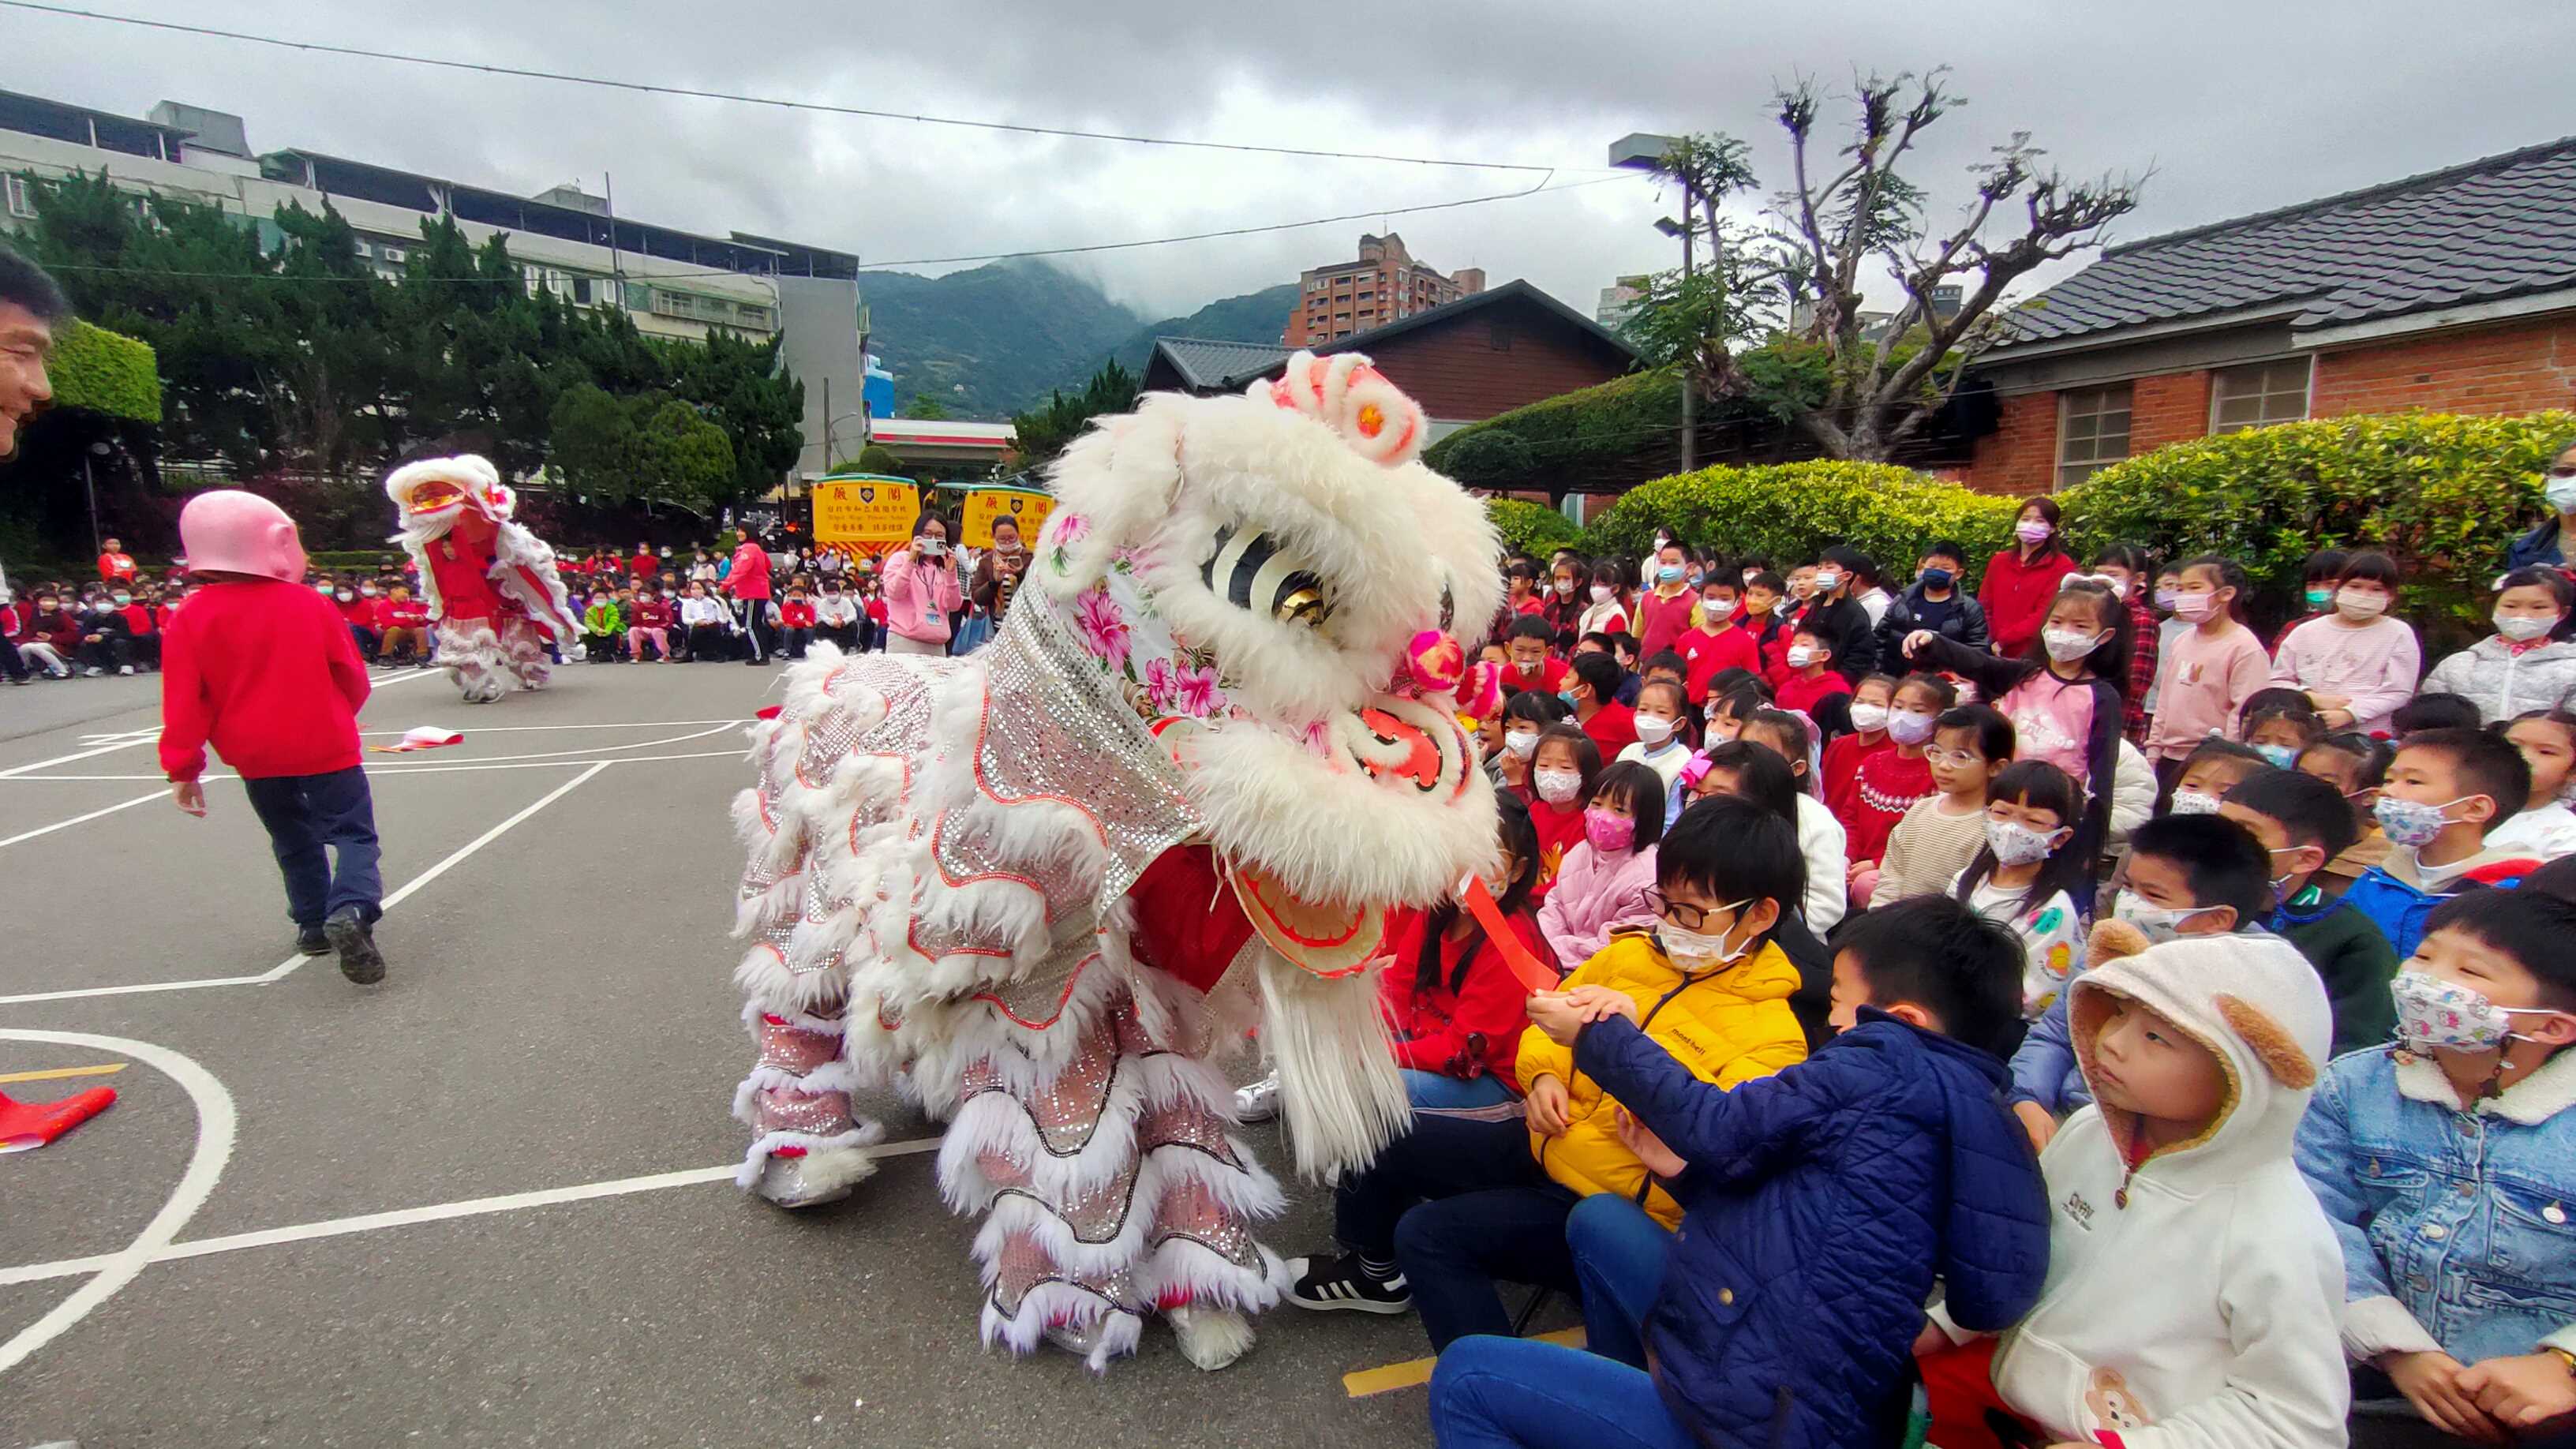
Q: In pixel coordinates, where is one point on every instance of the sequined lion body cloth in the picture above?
(1039, 887)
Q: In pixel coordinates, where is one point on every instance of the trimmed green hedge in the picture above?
(1532, 528)
(105, 372)
(1790, 511)
(2443, 494)
(1605, 435)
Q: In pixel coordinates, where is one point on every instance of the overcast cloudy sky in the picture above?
(2239, 106)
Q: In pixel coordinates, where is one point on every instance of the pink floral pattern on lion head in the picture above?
(1261, 571)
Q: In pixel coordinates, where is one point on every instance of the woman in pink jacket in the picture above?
(921, 590)
(1602, 884)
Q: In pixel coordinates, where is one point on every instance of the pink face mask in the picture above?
(1608, 832)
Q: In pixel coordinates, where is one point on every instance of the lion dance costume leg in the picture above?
(494, 597)
(1037, 888)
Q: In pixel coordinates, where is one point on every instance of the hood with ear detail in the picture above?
(2251, 999)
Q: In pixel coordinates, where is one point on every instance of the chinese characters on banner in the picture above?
(1026, 506)
(866, 517)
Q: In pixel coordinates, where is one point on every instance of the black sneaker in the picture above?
(1330, 1283)
(313, 941)
(350, 935)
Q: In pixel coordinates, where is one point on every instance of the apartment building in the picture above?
(1382, 284)
(676, 285)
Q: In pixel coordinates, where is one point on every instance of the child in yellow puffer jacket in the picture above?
(1463, 1201)
(1725, 1015)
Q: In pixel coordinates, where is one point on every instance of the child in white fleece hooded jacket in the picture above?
(2194, 1285)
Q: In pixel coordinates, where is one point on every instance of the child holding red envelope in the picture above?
(1452, 1002)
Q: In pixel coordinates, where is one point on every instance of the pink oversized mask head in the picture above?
(241, 533)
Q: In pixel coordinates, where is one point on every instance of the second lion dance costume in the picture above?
(494, 597)
(1036, 888)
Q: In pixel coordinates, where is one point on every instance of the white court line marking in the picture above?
(641, 724)
(374, 770)
(215, 1121)
(409, 1217)
(147, 736)
(287, 967)
(81, 819)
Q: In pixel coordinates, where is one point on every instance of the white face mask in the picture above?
(1565, 586)
(1800, 656)
(1601, 593)
(1653, 730)
(1827, 581)
(1867, 717)
(2354, 604)
(2561, 493)
(1698, 951)
(2157, 923)
(1715, 609)
(2523, 628)
(2194, 802)
(1520, 742)
(2068, 645)
(1907, 727)
(2017, 844)
(1556, 787)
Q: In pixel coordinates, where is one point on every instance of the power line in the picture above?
(827, 108)
(650, 277)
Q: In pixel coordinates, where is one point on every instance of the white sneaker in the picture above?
(125, 669)
(1258, 1102)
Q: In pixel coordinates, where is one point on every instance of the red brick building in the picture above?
(1385, 284)
(1465, 362)
(2453, 291)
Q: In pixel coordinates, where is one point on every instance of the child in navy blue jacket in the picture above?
(1820, 1208)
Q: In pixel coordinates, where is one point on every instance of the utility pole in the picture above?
(828, 456)
(616, 259)
(1689, 441)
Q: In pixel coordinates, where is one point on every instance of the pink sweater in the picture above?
(1593, 895)
(920, 594)
(2201, 682)
(2375, 666)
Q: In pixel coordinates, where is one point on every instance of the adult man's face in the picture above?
(26, 340)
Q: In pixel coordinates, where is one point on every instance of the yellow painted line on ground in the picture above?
(101, 1070)
(1417, 1371)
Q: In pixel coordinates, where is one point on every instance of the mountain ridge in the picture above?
(997, 339)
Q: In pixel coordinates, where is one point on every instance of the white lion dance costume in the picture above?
(1215, 740)
(494, 597)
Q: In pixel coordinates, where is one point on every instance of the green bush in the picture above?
(1790, 511)
(2442, 494)
(1594, 439)
(105, 372)
(1532, 528)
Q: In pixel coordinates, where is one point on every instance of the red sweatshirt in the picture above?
(406, 614)
(1800, 693)
(1558, 832)
(139, 620)
(796, 614)
(650, 614)
(267, 672)
(2016, 596)
(362, 611)
(1711, 655)
(1433, 1025)
(1661, 622)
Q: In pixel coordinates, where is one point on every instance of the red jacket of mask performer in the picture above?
(461, 563)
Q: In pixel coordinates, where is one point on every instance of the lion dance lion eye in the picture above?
(1254, 573)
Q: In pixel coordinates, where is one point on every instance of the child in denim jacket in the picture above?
(2448, 1164)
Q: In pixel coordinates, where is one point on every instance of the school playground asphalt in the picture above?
(429, 1227)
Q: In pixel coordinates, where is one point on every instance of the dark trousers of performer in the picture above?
(708, 642)
(13, 664)
(754, 614)
(1459, 1205)
(304, 815)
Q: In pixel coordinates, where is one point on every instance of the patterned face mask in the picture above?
(2432, 1012)
(2411, 823)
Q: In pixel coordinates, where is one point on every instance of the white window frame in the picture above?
(2307, 393)
(2095, 459)
(21, 198)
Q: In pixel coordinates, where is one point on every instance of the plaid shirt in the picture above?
(2142, 666)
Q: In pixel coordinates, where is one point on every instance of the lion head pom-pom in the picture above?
(1345, 393)
(1438, 660)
